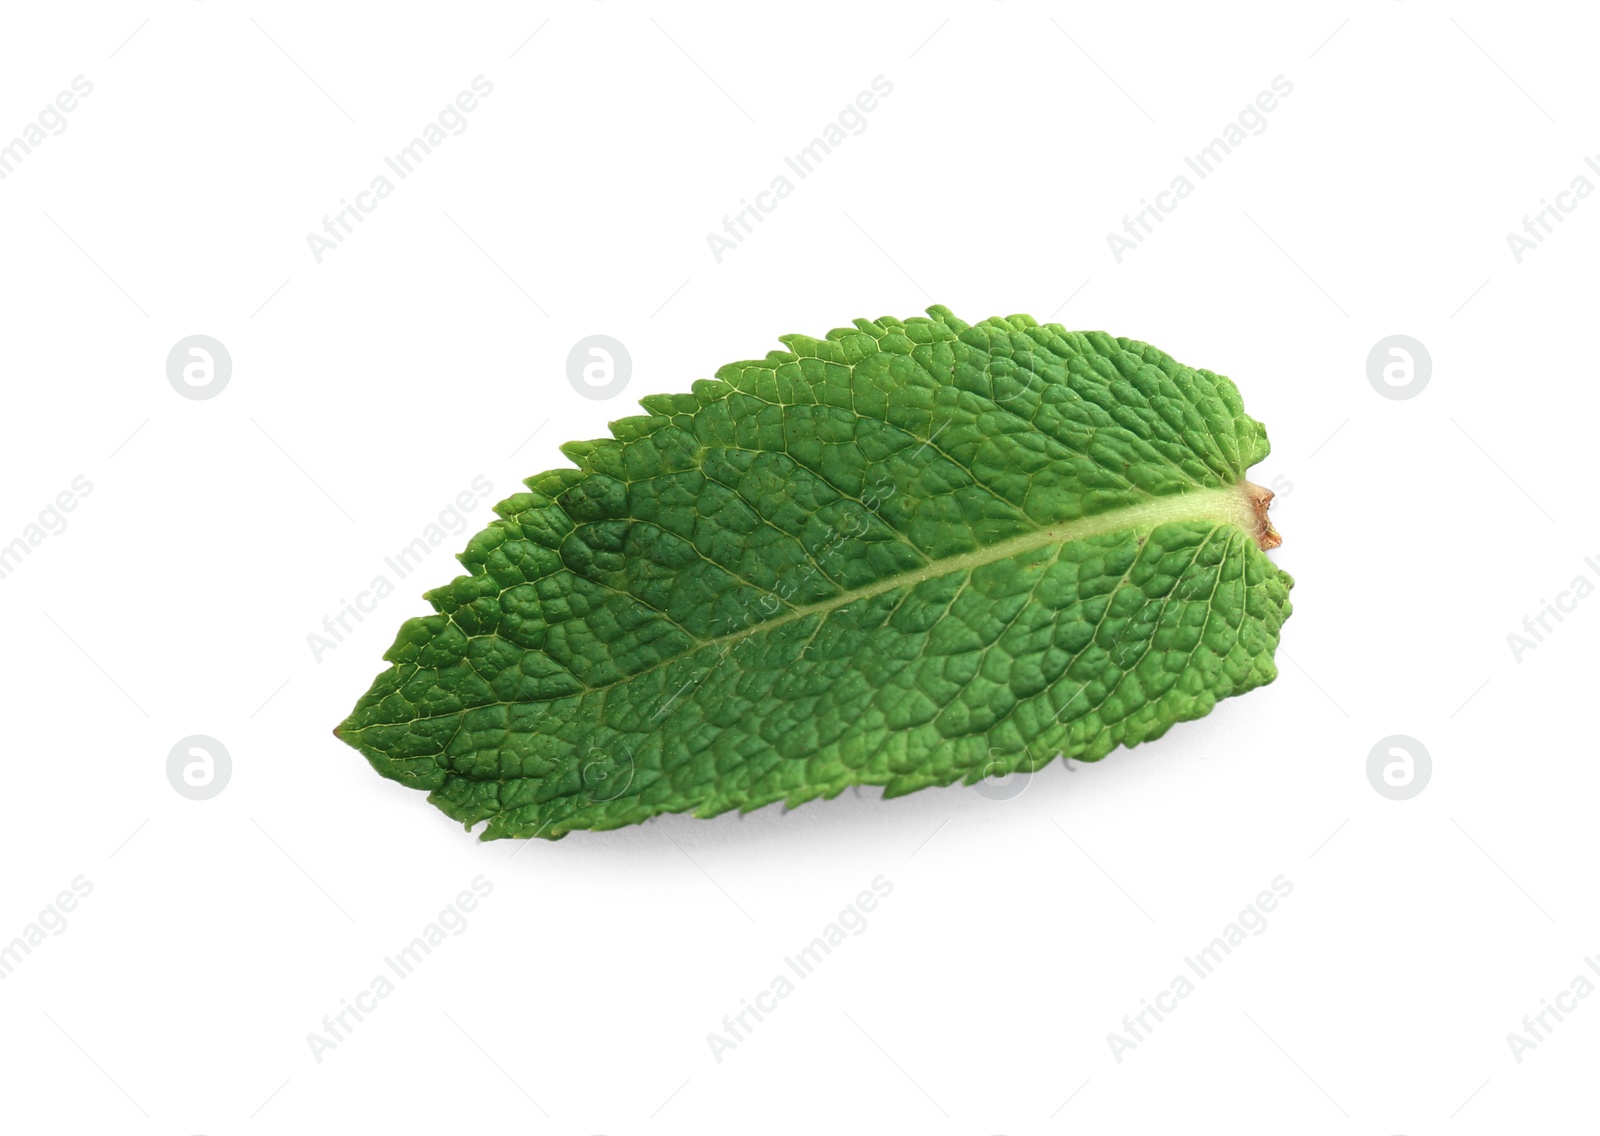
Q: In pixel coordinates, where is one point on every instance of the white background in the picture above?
(369, 389)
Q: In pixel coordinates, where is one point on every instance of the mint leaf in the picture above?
(912, 553)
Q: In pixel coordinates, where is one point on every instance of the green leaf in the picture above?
(912, 553)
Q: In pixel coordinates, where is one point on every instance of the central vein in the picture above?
(1234, 505)
(1231, 506)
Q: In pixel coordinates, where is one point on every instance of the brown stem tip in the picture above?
(1260, 499)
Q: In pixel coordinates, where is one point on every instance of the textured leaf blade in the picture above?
(909, 554)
